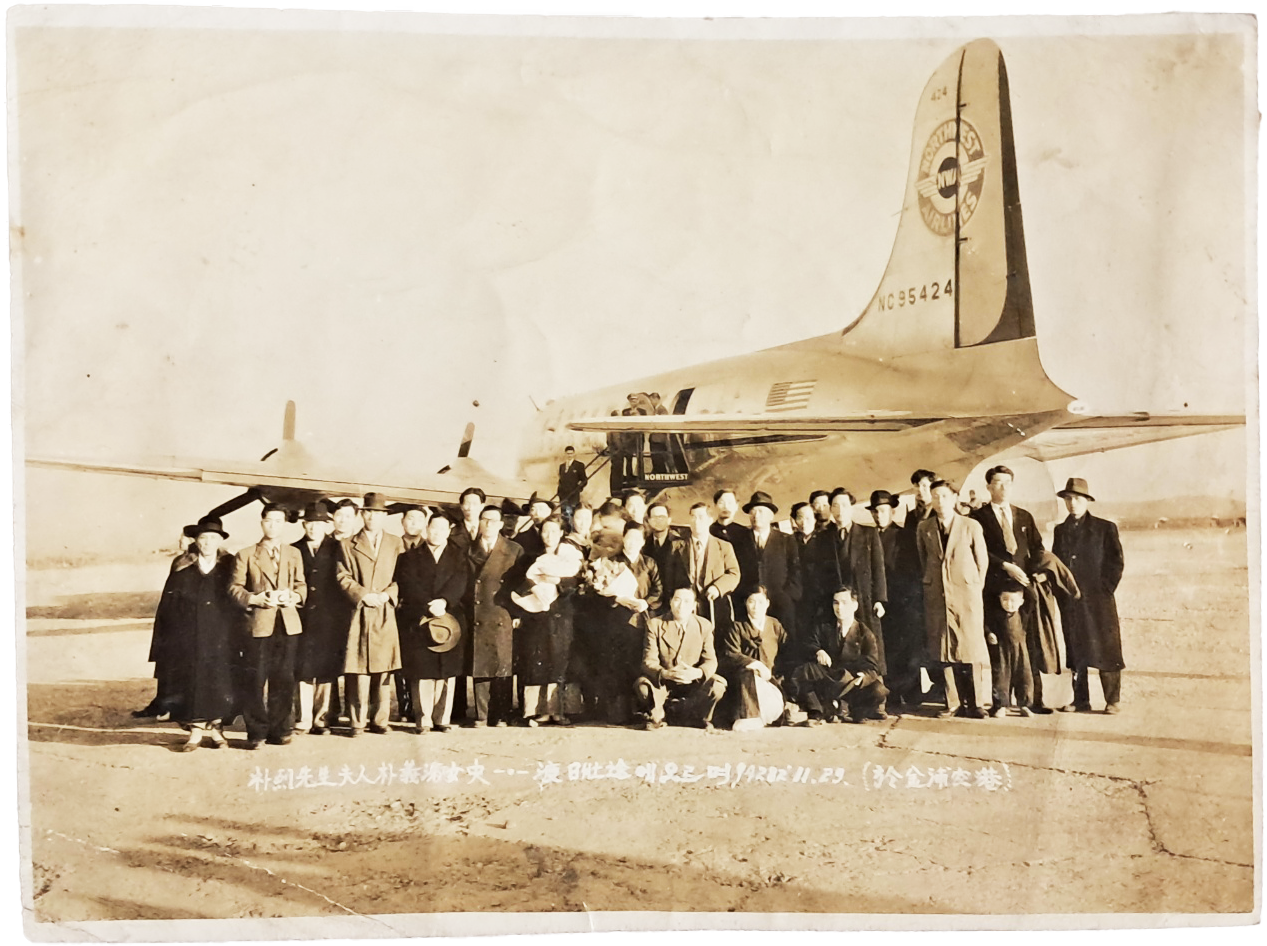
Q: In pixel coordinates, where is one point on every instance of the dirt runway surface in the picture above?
(1149, 811)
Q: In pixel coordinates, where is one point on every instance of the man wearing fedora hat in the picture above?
(432, 579)
(268, 583)
(767, 557)
(367, 574)
(320, 660)
(1092, 551)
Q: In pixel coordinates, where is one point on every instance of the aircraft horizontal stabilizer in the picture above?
(1088, 435)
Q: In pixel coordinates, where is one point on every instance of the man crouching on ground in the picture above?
(679, 667)
(844, 671)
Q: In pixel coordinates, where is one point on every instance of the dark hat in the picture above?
(442, 633)
(882, 497)
(1078, 486)
(1010, 584)
(206, 524)
(760, 499)
(534, 498)
(316, 512)
(374, 502)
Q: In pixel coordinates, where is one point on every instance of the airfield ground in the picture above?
(1149, 811)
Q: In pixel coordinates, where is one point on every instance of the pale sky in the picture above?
(387, 226)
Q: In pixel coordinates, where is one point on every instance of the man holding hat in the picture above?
(268, 583)
(324, 615)
(768, 557)
(1090, 548)
(432, 578)
(367, 574)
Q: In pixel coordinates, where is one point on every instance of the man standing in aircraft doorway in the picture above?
(572, 480)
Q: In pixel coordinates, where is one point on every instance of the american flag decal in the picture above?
(789, 395)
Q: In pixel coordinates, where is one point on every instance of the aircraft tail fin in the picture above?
(957, 276)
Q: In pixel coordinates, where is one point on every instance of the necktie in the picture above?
(699, 563)
(1009, 536)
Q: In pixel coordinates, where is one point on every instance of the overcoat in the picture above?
(954, 581)
(255, 571)
(1048, 631)
(421, 579)
(325, 613)
(373, 642)
(777, 566)
(491, 652)
(671, 558)
(203, 623)
(856, 556)
(1091, 549)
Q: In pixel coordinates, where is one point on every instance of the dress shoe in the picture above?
(531, 723)
(148, 713)
(1112, 709)
(442, 729)
(353, 733)
(1042, 710)
(479, 724)
(280, 740)
(1026, 711)
(318, 731)
(974, 712)
(163, 717)
(879, 714)
(378, 730)
(421, 730)
(947, 713)
(254, 744)
(1075, 708)
(562, 721)
(998, 711)
(500, 724)
(853, 719)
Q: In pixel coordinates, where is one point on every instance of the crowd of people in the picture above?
(554, 613)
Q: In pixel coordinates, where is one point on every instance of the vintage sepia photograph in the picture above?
(493, 474)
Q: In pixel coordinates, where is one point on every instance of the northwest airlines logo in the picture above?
(950, 176)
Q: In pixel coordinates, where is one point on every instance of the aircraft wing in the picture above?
(435, 488)
(752, 423)
(1098, 434)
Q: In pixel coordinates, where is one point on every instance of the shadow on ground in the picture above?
(100, 606)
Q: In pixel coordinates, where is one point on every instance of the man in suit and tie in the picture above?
(464, 533)
(1014, 544)
(413, 527)
(268, 583)
(771, 558)
(679, 667)
(666, 546)
(367, 575)
(712, 569)
(494, 572)
(953, 554)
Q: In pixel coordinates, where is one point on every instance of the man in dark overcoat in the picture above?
(849, 554)
(494, 572)
(769, 558)
(432, 579)
(1090, 548)
(666, 546)
(325, 616)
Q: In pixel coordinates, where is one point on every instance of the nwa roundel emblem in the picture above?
(950, 176)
